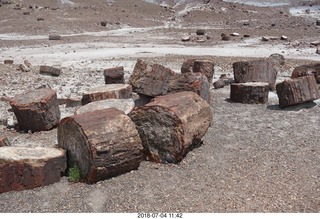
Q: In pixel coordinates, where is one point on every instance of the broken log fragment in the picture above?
(50, 70)
(36, 110)
(304, 70)
(4, 142)
(114, 75)
(101, 143)
(298, 90)
(172, 125)
(108, 91)
(250, 92)
(206, 67)
(30, 167)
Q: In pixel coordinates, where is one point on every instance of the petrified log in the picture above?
(108, 91)
(50, 70)
(304, 70)
(206, 67)
(114, 75)
(250, 92)
(172, 125)
(196, 82)
(54, 37)
(101, 143)
(187, 66)
(36, 110)
(150, 79)
(298, 90)
(125, 105)
(261, 70)
(8, 61)
(27, 168)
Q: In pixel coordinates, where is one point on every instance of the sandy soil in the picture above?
(255, 158)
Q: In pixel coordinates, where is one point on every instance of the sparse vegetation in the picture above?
(74, 174)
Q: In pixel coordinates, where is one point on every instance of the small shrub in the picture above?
(74, 174)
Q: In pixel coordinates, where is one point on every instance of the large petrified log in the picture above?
(172, 125)
(304, 70)
(150, 79)
(125, 105)
(114, 75)
(36, 110)
(27, 168)
(153, 80)
(101, 143)
(196, 82)
(261, 70)
(298, 90)
(108, 91)
(250, 92)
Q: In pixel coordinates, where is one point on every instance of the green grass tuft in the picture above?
(74, 174)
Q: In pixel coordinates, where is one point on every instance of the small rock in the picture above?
(234, 34)
(23, 68)
(185, 38)
(225, 38)
(26, 13)
(315, 43)
(200, 32)
(4, 142)
(103, 23)
(218, 84)
(200, 40)
(265, 39)
(318, 50)
(284, 37)
(50, 70)
(8, 61)
(40, 19)
(54, 37)
(274, 38)
(246, 35)
(318, 22)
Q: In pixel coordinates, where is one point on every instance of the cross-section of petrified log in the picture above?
(50, 70)
(261, 70)
(114, 75)
(108, 91)
(298, 90)
(101, 143)
(250, 92)
(27, 168)
(150, 79)
(171, 125)
(125, 105)
(196, 82)
(304, 70)
(205, 67)
(36, 110)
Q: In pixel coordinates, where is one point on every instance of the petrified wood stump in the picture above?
(172, 125)
(36, 110)
(125, 105)
(108, 91)
(50, 70)
(304, 70)
(206, 67)
(150, 79)
(250, 92)
(27, 168)
(101, 143)
(196, 82)
(298, 90)
(114, 75)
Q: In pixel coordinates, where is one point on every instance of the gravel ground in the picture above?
(254, 158)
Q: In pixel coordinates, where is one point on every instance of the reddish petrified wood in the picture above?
(304, 70)
(172, 125)
(114, 75)
(101, 143)
(298, 90)
(205, 67)
(108, 91)
(4, 141)
(250, 92)
(36, 110)
(50, 70)
(27, 168)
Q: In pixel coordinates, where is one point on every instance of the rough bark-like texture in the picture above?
(196, 82)
(108, 91)
(262, 70)
(172, 125)
(125, 105)
(205, 67)
(4, 142)
(304, 70)
(8, 61)
(114, 75)
(36, 110)
(27, 168)
(50, 70)
(250, 92)
(102, 143)
(150, 79)
(298, 90)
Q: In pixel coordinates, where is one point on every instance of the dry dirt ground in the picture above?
(254, 158)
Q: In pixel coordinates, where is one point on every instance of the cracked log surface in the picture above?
(250, 92)
(102, 143)
(172, 125)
